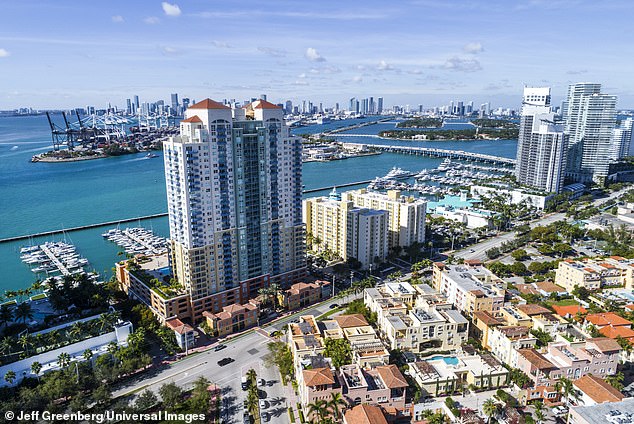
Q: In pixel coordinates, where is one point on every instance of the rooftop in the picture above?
(536, 359)
(598, 389)
(208, 104)
(607, 318)
(605, 345)
(567, 310)
(612, 413)
(318, 377)
(487, 318)
(179, 326)
(533, 309)
(392, 377)
(354, 320)
(365, 414)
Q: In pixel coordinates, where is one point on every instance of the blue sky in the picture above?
(70, 53)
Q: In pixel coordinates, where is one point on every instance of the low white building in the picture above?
(516, 195)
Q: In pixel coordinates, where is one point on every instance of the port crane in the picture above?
(89, 130)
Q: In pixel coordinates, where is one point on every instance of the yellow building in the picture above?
(346, 230)
(406, 214)
(594, 274)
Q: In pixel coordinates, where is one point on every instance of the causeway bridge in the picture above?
(444, 153)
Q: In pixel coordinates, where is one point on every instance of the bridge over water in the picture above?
(443, 153)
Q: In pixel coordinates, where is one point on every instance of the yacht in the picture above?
(444, 165)
(398, 174)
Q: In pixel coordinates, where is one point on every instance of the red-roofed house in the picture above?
(232, 319)
(607, 319)
(596, 390)
(569, 311)
(304, 294)
(185, 334)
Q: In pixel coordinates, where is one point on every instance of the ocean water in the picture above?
(36, 197)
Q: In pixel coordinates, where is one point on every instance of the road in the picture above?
(479, 250)
(248, 351)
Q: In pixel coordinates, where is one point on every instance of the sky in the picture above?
(62, 54)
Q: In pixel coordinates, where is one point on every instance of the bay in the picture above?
(37, 197)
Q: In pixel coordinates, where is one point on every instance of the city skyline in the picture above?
(420, 52)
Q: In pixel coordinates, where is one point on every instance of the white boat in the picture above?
(444, 165)
(398, 174)
(151, 155)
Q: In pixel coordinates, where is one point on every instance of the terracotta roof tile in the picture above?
(550, 287)
(605, 345)
(392, 377)
(536, 359)
(533, 309)
(208, 104)
(263, 104)
(354, 320)
(318, 377)
(365, 414)
(569, 310)
(179, 326)
(607, 318)
(193, 119)
(614, 332)
(598, 389)
(487, 318)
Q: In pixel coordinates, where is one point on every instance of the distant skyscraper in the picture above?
(371, 105)
(288, 107)
(541, 146)
(379, 109)
(128, 107)
(175, 105)
(136, 102)
(589, 120)
(622, 140)
(185, 103)
(234, 193)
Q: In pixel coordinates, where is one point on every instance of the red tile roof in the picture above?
(263, 104)
(569, 310)
(487, 318)
(536, 359)
(533, 309)
(179, 326)
(614, 332)
(598, 389)
(392, 377)
(364, 414)
(550, 287)
(605, 345)
(607, 318)
(354, 320)
(318, 377)
(208, 104)
(193, 119)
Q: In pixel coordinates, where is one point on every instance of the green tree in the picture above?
(581, 292)
(101, 394)
(520, 255)
(6, 314)
(281, 356)
(23, 312)
(318, 409)
(7, 345)
(88, 354)
(170, 395)
(616, 380)
(9, 377)
(543, 338)
(201, 397)
(490, 409)
(26, 341)
(335, 404)
(539, 411)
(36, 367)
(339, 351)
(146, 400)
(63, 360)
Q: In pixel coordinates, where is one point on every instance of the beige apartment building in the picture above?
(594, 274)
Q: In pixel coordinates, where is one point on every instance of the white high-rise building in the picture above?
(541, 147)
(234, 192)
(622, 145)
(589, 120)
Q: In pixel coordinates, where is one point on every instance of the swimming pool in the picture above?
(449, 360)
(165, 271)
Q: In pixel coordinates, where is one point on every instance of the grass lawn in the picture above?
(565, 302)
(329, 313)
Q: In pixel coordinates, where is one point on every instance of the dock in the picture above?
(313, 190)
(53, 258)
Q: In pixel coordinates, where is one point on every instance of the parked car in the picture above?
(266, 417)
(219, 347)
(334, 305)
(262, 382)
(263, 404)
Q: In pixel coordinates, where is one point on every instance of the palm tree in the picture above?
(252, 376)
(6, 314)
(63, 360)
(88, 354)
(6, 345)
(274, 289)
(252, 401)
(318, 408)
(26, 341)
(54, 337)
(77, 330)
(36, 367)
(10, 377)
(615, 381)
(23, 312)
(566, 388)
(539, 411)
(490, 409)
(335, 403)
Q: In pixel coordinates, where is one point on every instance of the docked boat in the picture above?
(444, 165)
(151, 155)
(398, 174)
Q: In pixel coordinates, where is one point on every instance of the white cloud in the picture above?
(4, 53)
(117, 19)
(415, 72)
(384, 66)
(313, 55)
(473, 48)
(325, 70)
(577, 71)
(300, 82)
(151, 20)
(221, 44)
(171, 9)
(462, 65)
(357, 78)
(272, 51)
(170, 51)
(302, 75)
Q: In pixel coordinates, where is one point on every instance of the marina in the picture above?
(53, 258)
(137, 240)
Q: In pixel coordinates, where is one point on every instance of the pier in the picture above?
(312, 190)
(444, 153)
(82, 227)
(60, 266)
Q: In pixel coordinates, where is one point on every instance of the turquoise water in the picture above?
(450, 201)
(37, 197)
(449, 360)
